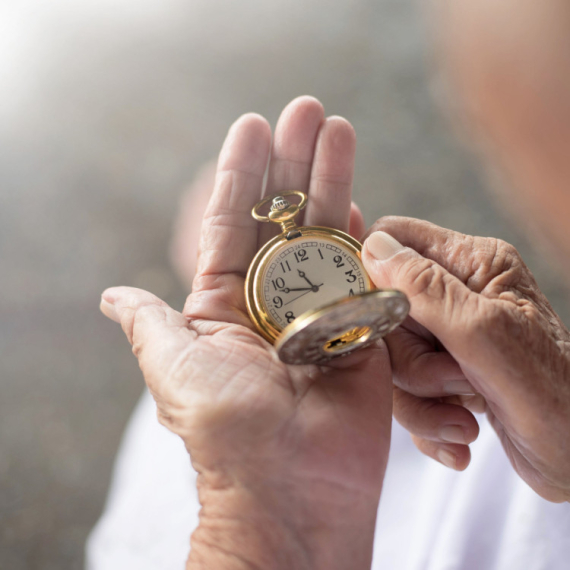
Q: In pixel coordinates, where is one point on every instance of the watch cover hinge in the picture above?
(294, 234)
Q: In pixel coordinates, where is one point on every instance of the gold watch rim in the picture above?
(254, 286)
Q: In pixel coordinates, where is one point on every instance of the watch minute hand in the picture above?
(306, 290)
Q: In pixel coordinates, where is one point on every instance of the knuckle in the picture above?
(402, 375)
(489, 318)
(495, 263)
(385, 222)
(140, 317)
(404, 364)
(414, 373)
(508, 250)
(423, 277)
(503, 256)
(414, 413)
(404, 408)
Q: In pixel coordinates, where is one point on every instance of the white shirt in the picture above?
(430, 517)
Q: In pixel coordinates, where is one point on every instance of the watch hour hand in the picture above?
(303, 276)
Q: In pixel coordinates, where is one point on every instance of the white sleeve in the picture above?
(152, 507)
(430, 518)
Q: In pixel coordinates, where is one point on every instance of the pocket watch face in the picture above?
(309, 272)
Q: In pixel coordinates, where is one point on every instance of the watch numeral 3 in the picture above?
(351, 277)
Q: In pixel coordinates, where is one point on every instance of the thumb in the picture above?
(439, 301)
(159, 334)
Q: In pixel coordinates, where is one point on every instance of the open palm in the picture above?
(309, 443)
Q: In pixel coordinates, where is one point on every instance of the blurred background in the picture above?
(108, 109)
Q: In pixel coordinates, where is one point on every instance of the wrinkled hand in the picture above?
(290, 459)
(480, 324)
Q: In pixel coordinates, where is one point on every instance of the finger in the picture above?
(551, 491)
(451, 455)
(293, 151)
(475, 404)
(475, 261)
(228, 239)
(439, 301)
(432, 419)
(229, 234)
(356, 224)
(158, 333)
(473, 328)
(424, 237)
(332, 174)
(420, 369)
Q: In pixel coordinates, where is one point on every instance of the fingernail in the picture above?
(109, 295)
(109, 310)
(475, 404)
(447, 458)
(452, 434)
(383, 246)
(459, 387)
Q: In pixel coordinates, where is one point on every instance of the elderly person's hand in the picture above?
(290, 459)
(479, 324)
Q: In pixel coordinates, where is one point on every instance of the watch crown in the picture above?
(279, 203)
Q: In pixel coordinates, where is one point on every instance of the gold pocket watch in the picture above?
(308, 293)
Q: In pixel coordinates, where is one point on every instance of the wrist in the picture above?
(280, 527)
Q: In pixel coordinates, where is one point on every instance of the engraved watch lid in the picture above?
(341, 327)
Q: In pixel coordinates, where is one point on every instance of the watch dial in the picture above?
(307, 274)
